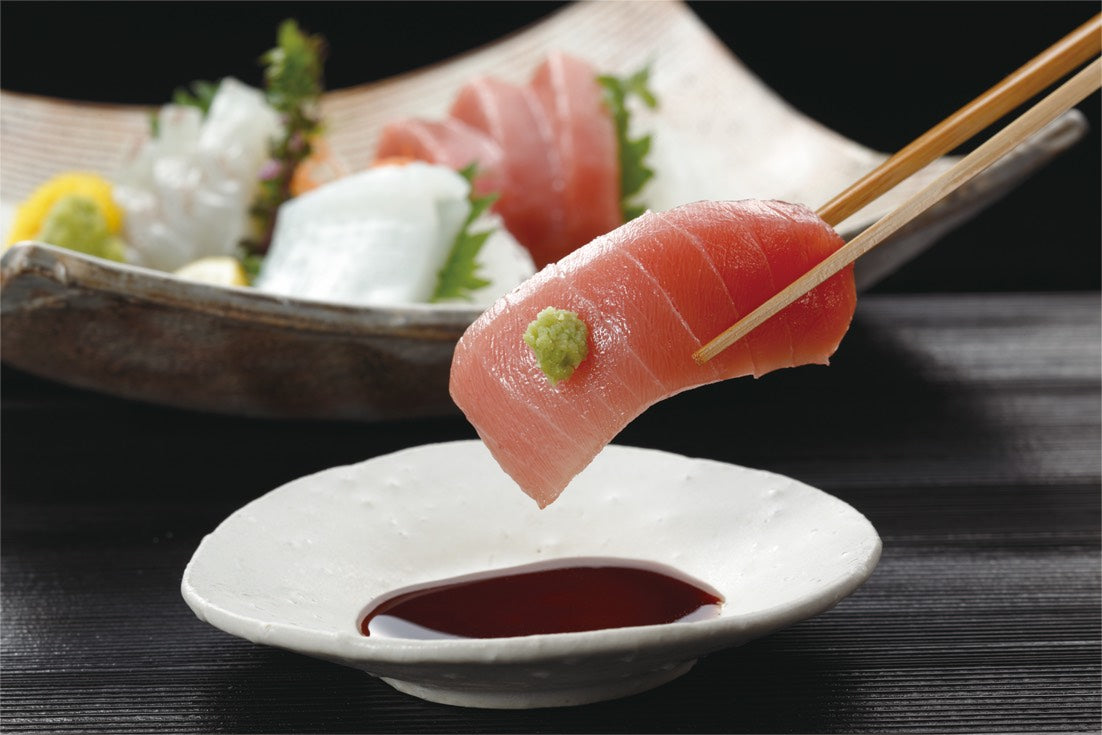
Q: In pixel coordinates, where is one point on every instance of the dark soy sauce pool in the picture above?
(576, 595)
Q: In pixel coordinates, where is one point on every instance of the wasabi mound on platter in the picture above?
(77, 223)
(388, 236)
(650, 294)
(72, 210)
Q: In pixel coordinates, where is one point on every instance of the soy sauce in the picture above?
(576, 595)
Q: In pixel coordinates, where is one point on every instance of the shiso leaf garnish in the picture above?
(634, 171)
(293, 86)
(199, 95)
(459, 277)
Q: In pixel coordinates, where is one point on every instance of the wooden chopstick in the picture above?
(1048, 109)
(1039, 73)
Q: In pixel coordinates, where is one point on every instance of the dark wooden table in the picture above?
(966, 426)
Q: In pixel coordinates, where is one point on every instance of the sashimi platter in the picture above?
(171, 280)
(548, 235)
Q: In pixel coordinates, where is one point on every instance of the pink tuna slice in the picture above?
(651, 292)
(448, 143)
(531, 204)
(585, 138)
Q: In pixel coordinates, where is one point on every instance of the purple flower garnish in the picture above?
(271, 169)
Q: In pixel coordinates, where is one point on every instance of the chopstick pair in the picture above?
(1081, 45)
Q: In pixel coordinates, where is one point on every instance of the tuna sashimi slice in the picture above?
(448, 143)
(531, 202)
(585, 138)
(651, 292)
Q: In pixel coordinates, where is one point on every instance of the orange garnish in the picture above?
(320, 167)
(392, 161)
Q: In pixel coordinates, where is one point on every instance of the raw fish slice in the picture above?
(494, 377)
(188, 191)
(448, 143)
(684, 271)
(374, 237)
(531, 202)
(747, 272)
(614, 288)
(525, 418)
(817, 314)
(557, 420)
(586, 140)
(636, 377)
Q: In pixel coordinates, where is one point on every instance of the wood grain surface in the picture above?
(966, 427)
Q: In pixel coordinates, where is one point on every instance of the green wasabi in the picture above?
(76, 222)
(560, 340)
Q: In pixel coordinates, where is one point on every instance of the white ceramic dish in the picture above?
(143, 335)
(298, 567)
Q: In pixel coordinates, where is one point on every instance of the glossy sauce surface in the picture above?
(571, 597)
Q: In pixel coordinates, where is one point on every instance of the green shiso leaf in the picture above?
(199, 95)
(293, 73)
(251, 264)
(293, 87)
(634, 171)
(459, 275)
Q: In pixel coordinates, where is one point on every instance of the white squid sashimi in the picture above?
(380, 237)
(188, 191)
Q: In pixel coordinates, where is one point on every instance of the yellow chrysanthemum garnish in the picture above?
(72, 210)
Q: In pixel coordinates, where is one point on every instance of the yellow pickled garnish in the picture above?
(220, 270)
(30, 217)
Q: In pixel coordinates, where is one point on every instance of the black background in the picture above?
(879, 73)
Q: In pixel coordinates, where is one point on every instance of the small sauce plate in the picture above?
(300, 567)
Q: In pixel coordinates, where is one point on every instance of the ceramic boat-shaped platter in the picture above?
(298, 567)
(144, 335)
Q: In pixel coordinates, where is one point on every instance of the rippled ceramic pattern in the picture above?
(298, 567)
(138, 334)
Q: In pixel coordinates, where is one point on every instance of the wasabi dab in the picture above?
(559, 338)
(76, 222)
